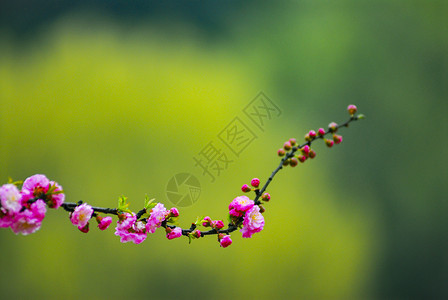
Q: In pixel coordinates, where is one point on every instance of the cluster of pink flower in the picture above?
(253, 220)
(131, 230)
(24, 210)
(82, 214)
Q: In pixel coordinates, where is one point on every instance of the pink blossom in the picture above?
(235, 213)
(26, 223)
(104, 223)
(11, 198)
(38, 209)
(81, 215)
(6, 218)
(253, 222)
(34, 186)
(243, 203)
(321, 131)
(130, 230)
(158, 215)
(126, 223)
(174, 233)
(225, 241)
(56, 200)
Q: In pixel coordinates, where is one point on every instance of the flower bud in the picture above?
(84, 229)
(307, 137)
(245, 188)
(294, 162)
(287, 146)
(286, 162)
(352, 109)
(196, 233)
(207, 222)
(255, 182)
(292, 141)
(302, 158)
(337, 138)
(312, 154)
(281, 152)
(333, 127)
(312, 134)
(262, 209)
(305, 150)
(266, 197)
(329, 143)
(218, 224)
(225, 241)
(321, 131)
(174, 212)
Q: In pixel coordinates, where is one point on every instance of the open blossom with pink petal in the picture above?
(34, 186)
(81, 215)
(239, 205)
(131, 230)
(157, 216)
(104, 223)
(26, 222)
(11, 199)
(253, 222)
(174, 233)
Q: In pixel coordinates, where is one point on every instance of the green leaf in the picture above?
(149, 204)
(199, 221)
(123, 205)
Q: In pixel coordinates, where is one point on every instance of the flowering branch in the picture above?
(24, 210)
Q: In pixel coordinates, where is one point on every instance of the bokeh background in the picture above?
(113, 97)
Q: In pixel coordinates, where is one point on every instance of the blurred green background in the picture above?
(111, 98)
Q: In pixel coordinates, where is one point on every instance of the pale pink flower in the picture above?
(242, 203)
(174, 233)
(127, 223)
(34, 186)
(26, 223)
(158, 215)
(253, 222)
(104, 223)
(11, 198)
(81, 215)
(129, 230)
(225, 241)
